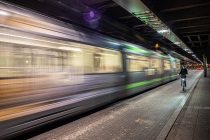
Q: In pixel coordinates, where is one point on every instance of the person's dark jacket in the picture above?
(183, 72)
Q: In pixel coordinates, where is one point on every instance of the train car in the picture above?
(50, 70)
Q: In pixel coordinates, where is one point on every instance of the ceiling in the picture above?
(188, 19)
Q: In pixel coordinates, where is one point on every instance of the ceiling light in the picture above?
(157, 23)
(163, 31)
(177, 43)
(151, 16)
(145, 12)
(153, 19)
(143, 17)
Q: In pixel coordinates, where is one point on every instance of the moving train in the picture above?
(50, 70)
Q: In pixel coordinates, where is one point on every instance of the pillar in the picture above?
(204, 65)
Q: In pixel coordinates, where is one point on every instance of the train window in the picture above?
(167, 65)
(21, 57)
(155, 64)
(137, 63)
(4, 53)
(100, 60)
(173, 64)
(178, 65)
(4, 59)
(41, 55)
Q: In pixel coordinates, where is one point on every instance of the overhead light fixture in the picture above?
(163, 31)
(177, 43)
(153, 20)
(156, 26)
(151, 16)
(145, 12)
(142, 17)
(157, 23)
(185, 49)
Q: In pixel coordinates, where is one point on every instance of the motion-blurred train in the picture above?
(50, 70)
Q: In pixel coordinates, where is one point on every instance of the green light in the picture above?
(136, 49)
(146, 82)
(143, 17)
(133, 48)
(160, 55)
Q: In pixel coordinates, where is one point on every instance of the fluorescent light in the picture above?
(153, 19)
(157, 23)
(145, 12)
(3, 13)
(155, 26)
(151, 16)
(163, 31)
(142, 17)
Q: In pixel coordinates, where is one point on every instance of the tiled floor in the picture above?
(193, 122)
(147, 116)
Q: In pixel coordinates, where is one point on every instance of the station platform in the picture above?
(165, 112)
(193, 122)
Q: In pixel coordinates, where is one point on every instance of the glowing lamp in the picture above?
(156, 45)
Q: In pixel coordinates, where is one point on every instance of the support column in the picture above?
(204, 65)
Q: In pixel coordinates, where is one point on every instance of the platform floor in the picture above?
(193, 123)
(148, 116)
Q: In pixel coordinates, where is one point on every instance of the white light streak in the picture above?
(3, 13)
(114, 43)
(70, 48)
(35, 39)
